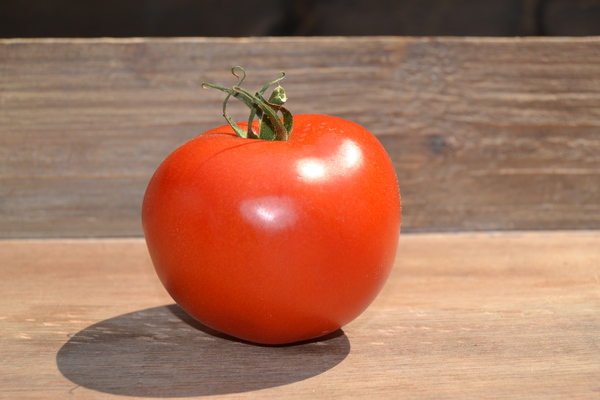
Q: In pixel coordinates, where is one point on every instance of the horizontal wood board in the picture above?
(485, 134)
(471, 315)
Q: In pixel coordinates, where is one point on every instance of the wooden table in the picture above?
(468, 315)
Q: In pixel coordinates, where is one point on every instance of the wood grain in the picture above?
(487, 316)
(484, 133)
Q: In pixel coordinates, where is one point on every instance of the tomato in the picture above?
(273, 241)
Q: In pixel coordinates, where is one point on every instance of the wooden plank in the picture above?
(484, 133)
(486, 315)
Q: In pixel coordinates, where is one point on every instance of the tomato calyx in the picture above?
(272, 126)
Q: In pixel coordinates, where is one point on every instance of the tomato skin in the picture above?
(275, 242)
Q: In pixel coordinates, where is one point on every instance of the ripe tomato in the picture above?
(275, 241)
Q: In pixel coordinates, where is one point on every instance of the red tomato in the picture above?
(275, 241)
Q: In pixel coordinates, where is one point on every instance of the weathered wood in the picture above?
(487, 316)
(484, 133)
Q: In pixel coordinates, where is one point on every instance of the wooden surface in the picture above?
(488, 315)
(485, 133)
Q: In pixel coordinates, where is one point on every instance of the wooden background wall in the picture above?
(485, 134)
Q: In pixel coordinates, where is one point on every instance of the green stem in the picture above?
(272, 125)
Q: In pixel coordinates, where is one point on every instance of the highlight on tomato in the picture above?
(278, 229)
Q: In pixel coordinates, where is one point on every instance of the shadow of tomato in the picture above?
(163, 352)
